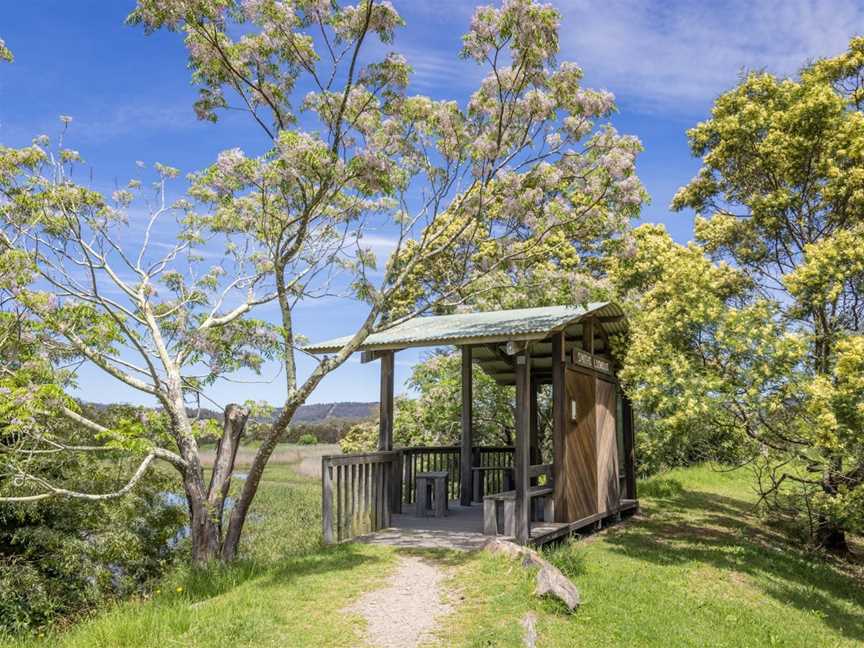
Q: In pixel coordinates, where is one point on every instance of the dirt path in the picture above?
(403, 613)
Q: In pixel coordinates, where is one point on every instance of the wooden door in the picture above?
(580, 448)
(607, 447)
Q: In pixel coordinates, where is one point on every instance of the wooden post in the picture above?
(465, 456)
(535, 423)
(588, 336)
(629, 451)
(396, 471)
(327, 501)
(385, 417)
(522, 454)
(559, 422)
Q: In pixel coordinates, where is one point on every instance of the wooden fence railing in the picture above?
(493, 457)
(426, 459)
(361, 491)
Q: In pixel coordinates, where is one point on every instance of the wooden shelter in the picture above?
(591, 476)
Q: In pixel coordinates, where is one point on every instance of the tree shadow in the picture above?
(676, 528)
(214, 580)
(443, 557)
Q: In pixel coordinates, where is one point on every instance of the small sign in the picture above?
(602, 365)
(586, 359)
(573, 416)
(582, 358)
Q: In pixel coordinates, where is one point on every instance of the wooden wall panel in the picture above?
(580, 449)
(607, 448)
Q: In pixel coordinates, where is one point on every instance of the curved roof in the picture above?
(482, 328)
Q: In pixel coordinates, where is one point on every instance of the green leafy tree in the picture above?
(480, 184)
(433, 416)
(62, 558)
(767, 342)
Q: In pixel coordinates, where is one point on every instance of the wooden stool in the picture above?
(432, 484)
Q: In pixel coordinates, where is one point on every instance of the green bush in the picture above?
(307, 439)
(60, 558)
(362, 437)
(569, 557)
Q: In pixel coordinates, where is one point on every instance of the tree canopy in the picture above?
(756, 328)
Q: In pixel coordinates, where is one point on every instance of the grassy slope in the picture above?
(695, 569)
(288, 591)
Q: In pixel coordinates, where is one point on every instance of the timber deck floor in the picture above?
(462, 528)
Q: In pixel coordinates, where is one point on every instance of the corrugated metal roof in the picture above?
(471, 328)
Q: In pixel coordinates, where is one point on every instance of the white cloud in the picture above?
(379, 243)
(442, 70)
(679, 56)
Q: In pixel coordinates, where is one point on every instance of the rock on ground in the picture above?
(550, 580)
(404, 612)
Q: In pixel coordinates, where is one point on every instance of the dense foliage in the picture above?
(59, 559)
(753, 335)
(432, 415)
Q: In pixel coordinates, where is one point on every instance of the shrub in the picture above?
(60, 558)
(307, 439)
(569, 557)
(362, 437)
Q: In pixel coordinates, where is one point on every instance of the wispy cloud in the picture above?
(678, 56)
(379, 243)
(442, 70)
(130, 118)
(90, 127)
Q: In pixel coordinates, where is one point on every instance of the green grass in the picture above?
(287, 590)
(695, 568)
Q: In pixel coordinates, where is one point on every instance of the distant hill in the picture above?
(342, 410)
(314, 413)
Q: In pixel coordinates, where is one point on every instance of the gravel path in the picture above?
(403, 613)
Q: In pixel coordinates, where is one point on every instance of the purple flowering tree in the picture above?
(472, 194)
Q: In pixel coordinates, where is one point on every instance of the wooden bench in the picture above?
(506, 503)
(431, 485)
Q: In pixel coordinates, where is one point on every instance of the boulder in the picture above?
(550, 580)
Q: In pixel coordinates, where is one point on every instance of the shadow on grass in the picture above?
(443, 557)
(679, 527)
(212, 581)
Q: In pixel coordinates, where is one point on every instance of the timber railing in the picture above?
(427, 459)
(361, 491)
(435, 458)
(501, 457)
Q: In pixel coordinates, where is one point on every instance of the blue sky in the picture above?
(131, 99)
